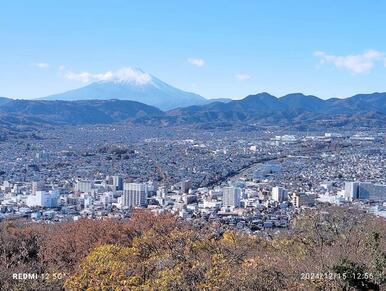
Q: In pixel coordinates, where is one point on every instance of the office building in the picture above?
(118, 183)
(43, 199)
(351, 190)
(279, 194)
(370, 191)
(302, 199)
(365, 191)
(134, 195)
(84, 186)
(231, 196)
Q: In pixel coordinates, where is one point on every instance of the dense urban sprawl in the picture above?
(251, 180)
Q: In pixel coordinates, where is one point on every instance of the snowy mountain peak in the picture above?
(134, 76)
(130, 84)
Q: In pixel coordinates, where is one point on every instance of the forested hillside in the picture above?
(164, 253)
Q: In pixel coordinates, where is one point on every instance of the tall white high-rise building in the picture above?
(279, 194)
(84, 186)
(43, 199)
(135, 195)
(351, 190)
(231, 197)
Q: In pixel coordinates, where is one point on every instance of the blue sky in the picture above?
(214, 48)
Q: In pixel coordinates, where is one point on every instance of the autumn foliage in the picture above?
(162, 252)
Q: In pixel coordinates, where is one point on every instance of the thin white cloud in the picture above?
(41, 65)
(196, 62)
(242, 77)
(357, 64)
(131, 75)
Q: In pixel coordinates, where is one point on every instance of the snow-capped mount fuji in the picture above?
(131, 84)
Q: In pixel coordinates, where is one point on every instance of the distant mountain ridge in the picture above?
(77, 112)
(293, 110)
(135, 85)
